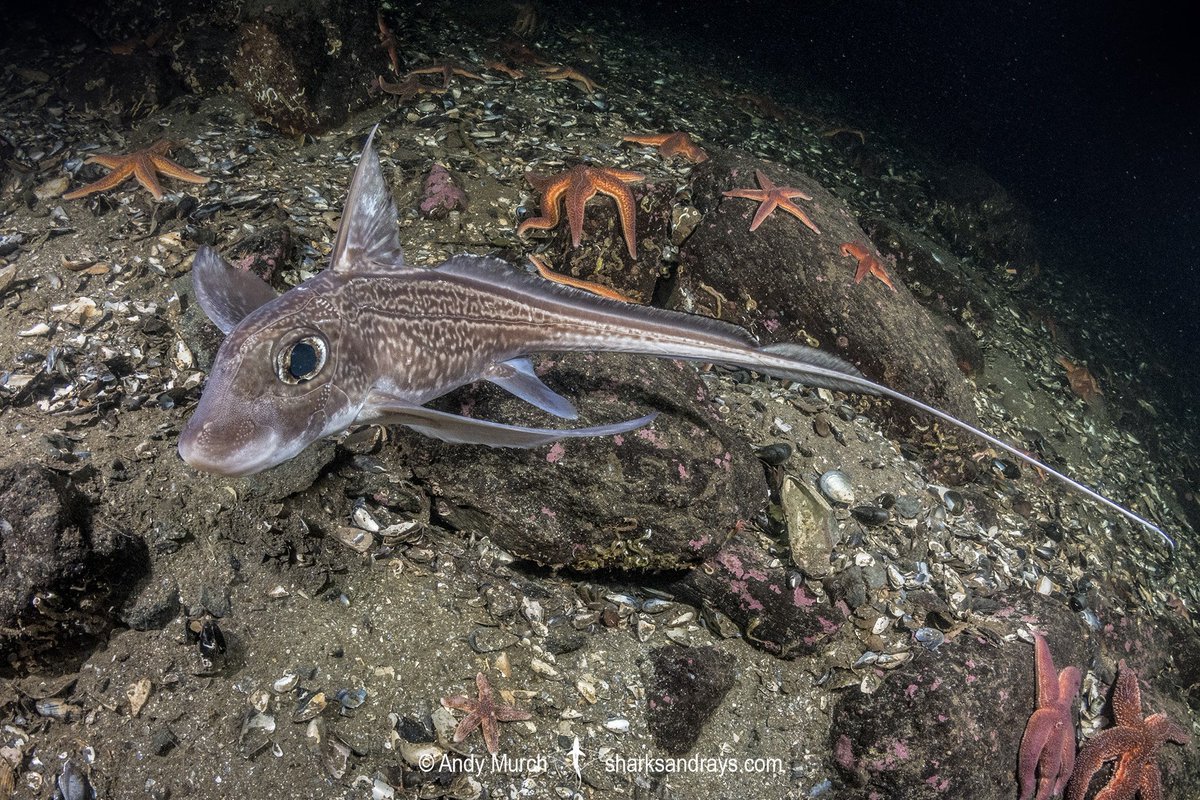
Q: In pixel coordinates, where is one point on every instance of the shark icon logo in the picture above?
(575, 752)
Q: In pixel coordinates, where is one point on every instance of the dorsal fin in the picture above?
(368, 238)
(226, 294)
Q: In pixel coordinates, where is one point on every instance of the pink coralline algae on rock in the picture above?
(440, 195)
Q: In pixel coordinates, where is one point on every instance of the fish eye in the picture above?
(301, 360)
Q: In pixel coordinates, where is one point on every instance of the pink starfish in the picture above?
(1048, 745)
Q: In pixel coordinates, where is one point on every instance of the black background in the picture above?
(1086, 112)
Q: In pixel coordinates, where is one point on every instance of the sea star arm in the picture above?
(578, 193)
(173, 170)
(551, 189)
(613, 183)
(787, 205)
(1163, 729)
(143, 170)
(1033, 745)
(578, 283)
(1106, 745)
(110, 181)
(764, 210)
(1150, 786)
(1127, 697)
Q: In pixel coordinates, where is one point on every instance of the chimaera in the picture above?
(371, 339)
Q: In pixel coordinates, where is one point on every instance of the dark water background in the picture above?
(1087, 112)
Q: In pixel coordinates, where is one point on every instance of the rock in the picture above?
(783, 282)
(440, 194)
(689, 685)
(266, 253)
(754, 590)
(949, 722)
(47, 546)
(156, 604)
(662, 497)
(305, 67)
(127, 86)
(43, 535)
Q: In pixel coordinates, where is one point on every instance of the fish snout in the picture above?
(221, 446)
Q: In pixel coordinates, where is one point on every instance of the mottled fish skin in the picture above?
(371, 340)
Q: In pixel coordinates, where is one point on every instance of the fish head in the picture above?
(278, 383)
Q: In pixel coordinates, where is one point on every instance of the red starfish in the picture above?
(671, 145)
(580, 184)
(867, 263)
(1049, 740)
(141, 164)
(772, 197)
(483, 713)
(1133, 740)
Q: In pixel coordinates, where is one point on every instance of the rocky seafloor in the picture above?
(773, 590)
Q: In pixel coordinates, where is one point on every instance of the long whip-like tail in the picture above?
(827, 370)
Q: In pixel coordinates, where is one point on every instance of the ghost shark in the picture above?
(370, 340)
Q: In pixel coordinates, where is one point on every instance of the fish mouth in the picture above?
(198, 448)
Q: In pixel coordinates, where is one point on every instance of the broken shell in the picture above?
(56, 709)
(183, 356)
(617, 725)
(358, 540)
(79, 312)
(1005, 468)
(587, 690)
(138, 693)
(308, 706)
(285, 684)
(865, 660)
(836, 486)
(362, 518)
(351, 698)
(930, 638)
(40, 329)
(812, 530)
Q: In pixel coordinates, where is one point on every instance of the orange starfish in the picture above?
(671, 145)
(578, 283)
(496, 65)
(1134, 741)
(867, 263)
(406, 88)
(561, 73)
(772, 197)
(1048, 744)
(580, 184)
(445, 69)
(143, 165)
(483, 713)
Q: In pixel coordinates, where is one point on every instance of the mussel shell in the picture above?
(774, 454)
(954, 502)
(871, 515)
(836, 486)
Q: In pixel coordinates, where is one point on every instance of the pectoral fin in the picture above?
(517, 376)
(226, 294)
(464, 430)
